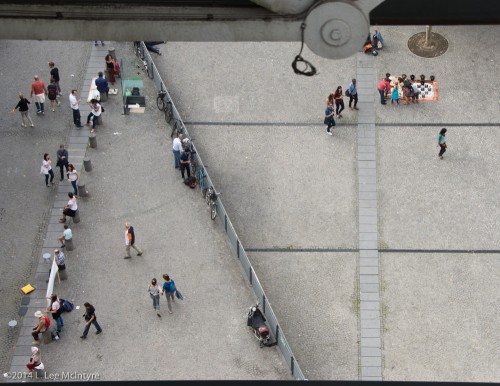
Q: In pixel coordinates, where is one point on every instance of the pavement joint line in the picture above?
(370, 341)
(380, 124)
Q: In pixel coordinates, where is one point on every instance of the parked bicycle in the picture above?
(211, 198)
(139, 53)
(176, 128)
(201, 177)
(165, 105)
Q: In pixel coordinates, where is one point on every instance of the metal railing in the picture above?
(231, 233)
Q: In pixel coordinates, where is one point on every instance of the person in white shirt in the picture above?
(70, 209)
(46, 169)
(73, 177)
(67, 235)
(95, 111)
(177, 149)
(73, 102)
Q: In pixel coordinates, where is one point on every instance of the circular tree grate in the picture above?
(438, 45)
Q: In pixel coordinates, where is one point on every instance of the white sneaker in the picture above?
(23, 125)
(329, 133)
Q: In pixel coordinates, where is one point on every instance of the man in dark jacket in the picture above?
(130, 240)
(102, 84)
(62, 160)
(90, 318)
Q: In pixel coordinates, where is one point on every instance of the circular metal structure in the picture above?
(46, 257)
(437, 46)
(336, 30)
(12, 323)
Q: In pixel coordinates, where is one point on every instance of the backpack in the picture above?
(191, 182)
(347, 93)
(67, 306)
(47, 321)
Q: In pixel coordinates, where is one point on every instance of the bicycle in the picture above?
(139, 53)
(176, 128)
(211, 199)
(165, 106)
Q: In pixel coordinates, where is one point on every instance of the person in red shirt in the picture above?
(384, 87)
(39, 90)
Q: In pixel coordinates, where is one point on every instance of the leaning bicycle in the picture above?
(201, 177)
(211, 199)
(165, 105)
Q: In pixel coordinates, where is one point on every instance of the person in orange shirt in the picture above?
(130, 240)
(39, 90)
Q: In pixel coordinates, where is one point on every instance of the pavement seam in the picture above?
(369, 313)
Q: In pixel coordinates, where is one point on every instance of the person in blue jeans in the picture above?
(56, 311)
(329, 120)
(169, 290)
(90, 318)
(154, 292)
(353, 94)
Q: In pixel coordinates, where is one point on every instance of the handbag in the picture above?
(326, 121)
(178, 295)
(44, 170)
(347, 93)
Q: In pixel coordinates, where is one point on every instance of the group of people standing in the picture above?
(398, 88)
(335, 104)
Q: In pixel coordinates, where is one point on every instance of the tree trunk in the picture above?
(428, 32)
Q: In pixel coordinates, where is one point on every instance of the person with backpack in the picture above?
(42, 326)
(169, 290)
(90, 318)
(52, 94)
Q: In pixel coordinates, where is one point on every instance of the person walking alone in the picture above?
(54, 74)
(154, 292)
(73, 177)
(169, 290)
(130, 241)
(39, 90)
(47, 170)
(90, 318)
(329, 113)
(52, 95)
(442, 142)
(73, 102)
(352, 92)
(22, 105)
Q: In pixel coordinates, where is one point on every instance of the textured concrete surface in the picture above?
(133, 179)
(428, 203)
(24, 197)
(441, 317)
(314, 296)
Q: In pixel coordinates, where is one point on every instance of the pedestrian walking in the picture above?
(329, 113)
(39, 90)
(339, 101)
(169, 291)
(352, 93)
(66, 235)
(185, 163)
(110, 67)
(442, 142)
(56, 310)
(42, 326)
(395, 93)
(35, 359)
(73, 177)
(102, 84)
(46, 169)
(52, 95)
(383, 88)
(90, 318)
(22, 105)
(54, 74)
(130, 241)
(95, 112)
(71, 208)
(62, 160)
(154, 292)
(73, 102)
(176, 149)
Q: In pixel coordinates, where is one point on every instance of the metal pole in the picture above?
(428, 32)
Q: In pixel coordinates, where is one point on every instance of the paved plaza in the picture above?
(379, 260)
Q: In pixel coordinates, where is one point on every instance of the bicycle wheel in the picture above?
(160, 103)
(208, 196)
(192, 167)
(213, 210)
(169, 114)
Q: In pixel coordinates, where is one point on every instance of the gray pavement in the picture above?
(133, 179)
(285, 187)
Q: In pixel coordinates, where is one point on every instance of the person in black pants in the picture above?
(62, 160)
(185, 163)
(90, 318)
